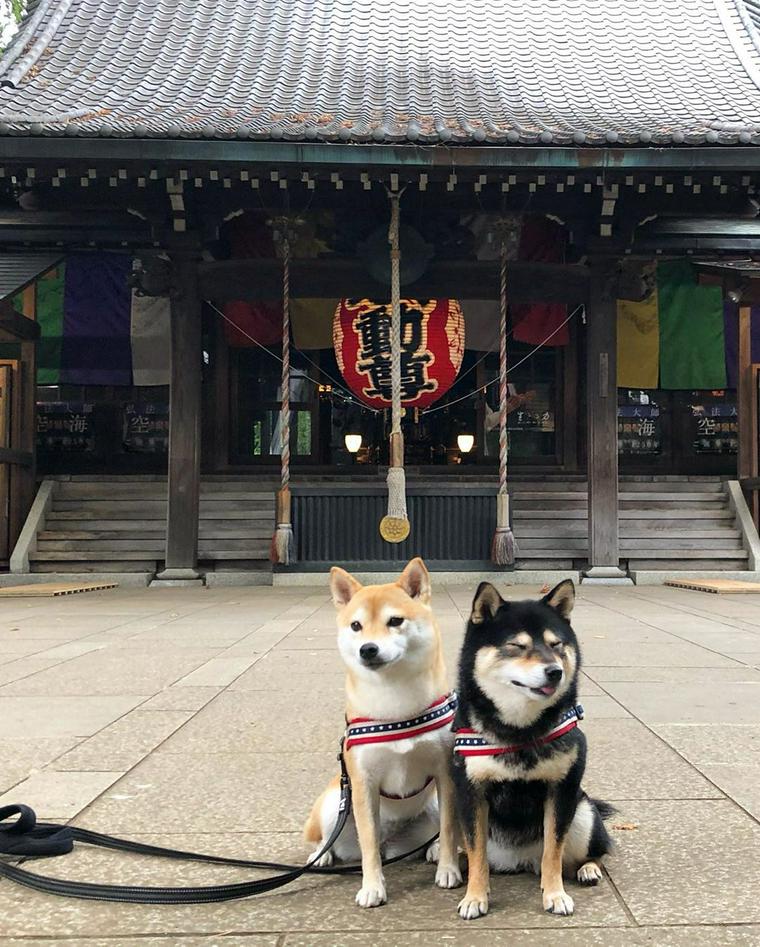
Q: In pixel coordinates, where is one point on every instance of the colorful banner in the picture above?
(692, 347)
(50, 319)
(731, 335)
(312, 322)
(96, 346)
(150, 336)
(638, 343)
(542, 241)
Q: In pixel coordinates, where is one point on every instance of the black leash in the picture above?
(27, 838)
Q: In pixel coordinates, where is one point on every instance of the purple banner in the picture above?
(731, 335)
(96, 348)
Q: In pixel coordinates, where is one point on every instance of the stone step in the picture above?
(679, 555)
(684, 565)
(153, 546)
(258, 531)
(101, 566)
(687, 545)
(140, 515)
(705, 514)
(111, 509)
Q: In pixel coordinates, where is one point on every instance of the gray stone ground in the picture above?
(208, 719)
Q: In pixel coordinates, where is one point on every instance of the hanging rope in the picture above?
(503, 547)
(283, 541)
(394, 527)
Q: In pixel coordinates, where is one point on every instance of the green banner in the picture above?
(692, 346)
(50, 318)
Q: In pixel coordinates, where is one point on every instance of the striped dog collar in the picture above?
(363, 730)
(469, 743)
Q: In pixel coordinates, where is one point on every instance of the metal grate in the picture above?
(344, 528)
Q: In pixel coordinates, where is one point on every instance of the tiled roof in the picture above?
(543, 72)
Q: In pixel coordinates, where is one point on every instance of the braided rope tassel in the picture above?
(394, 527)
(283, 541)
(503, 548)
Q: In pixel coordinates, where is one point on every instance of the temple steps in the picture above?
(119, 525)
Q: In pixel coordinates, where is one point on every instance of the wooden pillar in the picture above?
(601, 407)
(745, 396)
(184, 424)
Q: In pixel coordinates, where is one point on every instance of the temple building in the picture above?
(192, 191)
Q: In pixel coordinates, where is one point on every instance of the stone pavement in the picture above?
(208, 719)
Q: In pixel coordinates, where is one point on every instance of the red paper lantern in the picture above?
(432, 346)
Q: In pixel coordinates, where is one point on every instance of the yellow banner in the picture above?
(312, 322)
(638, 343)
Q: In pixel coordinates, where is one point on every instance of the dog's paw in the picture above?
(371, 896)
(589, 874)
(558, 903)
(448, 876)
(470, 908)
(431, 855)
(324, 862)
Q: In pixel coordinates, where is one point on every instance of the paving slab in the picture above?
(114, 671)
(123, 744)
(674, 675)
(688, 862)
(21, 757)
(312, 905)
(688, 703)
(57, 795)
(608, 936)
(181, 698)
(627, 761)
(236, 791)
(265, 722)
(54, 716)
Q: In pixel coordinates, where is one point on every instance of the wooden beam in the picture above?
(601, 407)
(184, 426)
(14, 326)
(226, 280)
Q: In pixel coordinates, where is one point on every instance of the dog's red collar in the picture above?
(363, 730)
(468, 742)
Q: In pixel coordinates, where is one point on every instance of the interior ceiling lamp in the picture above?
(353, 442)
(465, 443)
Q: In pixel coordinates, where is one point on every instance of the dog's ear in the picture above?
(415, 581)
(343, 586)
(561, 598)
(486, 603)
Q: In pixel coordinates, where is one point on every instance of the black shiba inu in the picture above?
(519, 756)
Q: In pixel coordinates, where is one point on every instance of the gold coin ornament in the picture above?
(394, 529)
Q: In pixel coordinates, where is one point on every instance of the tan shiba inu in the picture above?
(399, 738)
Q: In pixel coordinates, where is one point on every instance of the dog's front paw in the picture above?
(589, 874)
(471, 907)
(558, 903)
(448, 876)
(371, 896)
(431, 855)
(324, 862)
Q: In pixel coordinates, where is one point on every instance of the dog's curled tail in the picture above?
(605, 810)
(312, 831)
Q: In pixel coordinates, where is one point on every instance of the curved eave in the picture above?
(233, 153)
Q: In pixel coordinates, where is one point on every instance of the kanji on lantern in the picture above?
(432, 347)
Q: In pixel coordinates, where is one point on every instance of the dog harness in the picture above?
(363, 730)
(469, 743)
